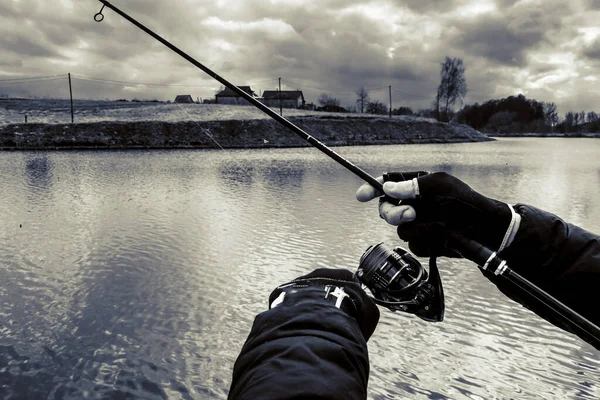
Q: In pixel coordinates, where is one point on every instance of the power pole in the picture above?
(390, 101)
(71, 93)
(280, 107)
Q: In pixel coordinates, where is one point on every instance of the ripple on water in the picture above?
(138, 274)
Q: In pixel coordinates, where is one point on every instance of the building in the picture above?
(228, 96)
(289, 98)
(184, 98)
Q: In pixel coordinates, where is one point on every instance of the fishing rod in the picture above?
(396, 279)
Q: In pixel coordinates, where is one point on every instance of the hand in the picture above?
(337, 287)
(434, 204)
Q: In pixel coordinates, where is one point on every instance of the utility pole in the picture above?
(390, 101)
(71, 93)
(280, 107)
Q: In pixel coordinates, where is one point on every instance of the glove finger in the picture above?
(330, 273)
(401, 190)
(414, 231)
(429, 239)
(396, 214)
(442, 184)
(367, 192)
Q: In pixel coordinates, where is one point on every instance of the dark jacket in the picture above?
(316, 351)
(560, 258)
(312, 350)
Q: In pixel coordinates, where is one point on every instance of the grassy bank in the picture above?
(117, 125)
(548, 134)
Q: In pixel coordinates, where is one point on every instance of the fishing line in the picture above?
(485, 258)
(230, 158)
(200, 126)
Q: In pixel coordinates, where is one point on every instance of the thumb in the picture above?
(401, 190)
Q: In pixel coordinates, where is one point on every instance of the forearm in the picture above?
(560, 258)
(309, 350)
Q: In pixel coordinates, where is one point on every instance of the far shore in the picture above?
(46, 124)
(232, 134)
(547, 134)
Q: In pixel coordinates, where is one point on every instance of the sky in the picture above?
(547, 50)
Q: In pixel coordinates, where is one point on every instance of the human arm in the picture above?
(305, 346)
(560, 258)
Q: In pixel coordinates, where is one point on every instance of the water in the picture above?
(138, 274)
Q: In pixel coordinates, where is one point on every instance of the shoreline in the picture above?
(231, 134)
(593, 135)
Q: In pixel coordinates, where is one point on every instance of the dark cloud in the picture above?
(505, 38)
(25, 47)
(328, 45)
(592, 4)
(593, 50)
(430, 6)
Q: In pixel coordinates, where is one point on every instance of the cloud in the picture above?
(593, 50)
(330, 46)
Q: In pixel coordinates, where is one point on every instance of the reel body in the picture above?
(399, 282)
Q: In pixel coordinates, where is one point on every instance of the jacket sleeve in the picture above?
(558, 257)
(310, 350)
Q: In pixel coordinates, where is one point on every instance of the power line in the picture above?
(334, 92)
(129, 83)
(116, 82)
(32, 80)
(25, 79)
(415, 95)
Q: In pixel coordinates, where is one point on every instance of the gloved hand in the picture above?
(337, 287)
(434, 204)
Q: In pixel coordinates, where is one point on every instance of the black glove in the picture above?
(335, 286)
(445, 203)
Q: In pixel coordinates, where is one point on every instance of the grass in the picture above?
(59, 111)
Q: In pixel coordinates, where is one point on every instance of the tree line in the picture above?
(452, 88)
(513, 114)
(517, 114)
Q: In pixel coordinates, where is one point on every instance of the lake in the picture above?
(137, 274)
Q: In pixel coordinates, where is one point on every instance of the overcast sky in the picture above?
(548, 50)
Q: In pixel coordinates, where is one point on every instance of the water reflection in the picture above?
(38, 172)
(138, 274)
(234, 173)
(282, 174)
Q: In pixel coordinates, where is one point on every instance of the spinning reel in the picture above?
(399, 282)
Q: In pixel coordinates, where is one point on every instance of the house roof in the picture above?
(230, 93)
(285, 94)
(183, 97)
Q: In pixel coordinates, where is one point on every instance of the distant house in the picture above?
(309, 106)
(208, 101)
(184, 98)
(289, 98)
(228, 96)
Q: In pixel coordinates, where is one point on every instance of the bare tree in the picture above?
(592, 119)
(327, 100)
(435, 105)
(363, 99)
(550, 114)
(569, 118)
(453, 85)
